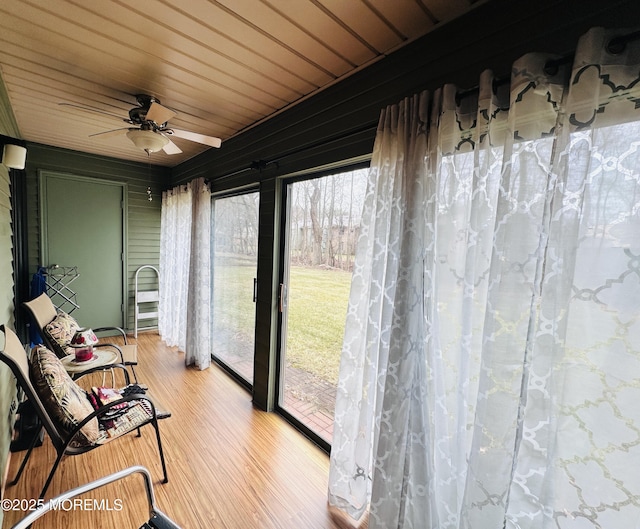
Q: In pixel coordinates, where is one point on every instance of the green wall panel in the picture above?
(142, 217)
(7, 382)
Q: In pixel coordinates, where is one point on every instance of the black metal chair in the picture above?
(140, 412)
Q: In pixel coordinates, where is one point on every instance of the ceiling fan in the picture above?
(151, 132)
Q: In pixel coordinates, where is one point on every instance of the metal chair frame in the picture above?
(156, 517)
(15, 356)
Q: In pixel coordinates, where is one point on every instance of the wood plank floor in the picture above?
(230, 465)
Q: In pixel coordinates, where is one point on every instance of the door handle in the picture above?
(282, 294)
(255, 289)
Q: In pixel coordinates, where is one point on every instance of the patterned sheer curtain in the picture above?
(184, 306)
(490, 372)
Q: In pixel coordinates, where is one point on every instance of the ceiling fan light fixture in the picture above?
(147, 140)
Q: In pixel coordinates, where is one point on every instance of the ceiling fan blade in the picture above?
(194, 136)
(109, 133)
(171, 148)
(90, 109)
(159, 114)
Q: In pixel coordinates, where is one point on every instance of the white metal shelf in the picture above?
(142, 300)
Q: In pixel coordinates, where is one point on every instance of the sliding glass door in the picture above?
(235, 251)
(323, 224)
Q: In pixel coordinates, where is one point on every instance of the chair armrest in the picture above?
(115, 347)
(102, 410)
(118, 329)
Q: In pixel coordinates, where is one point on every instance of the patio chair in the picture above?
(57, 329)
(157, 519)
(64, 410)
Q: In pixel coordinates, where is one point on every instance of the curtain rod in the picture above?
(260, 165)
(373, 125)
(615, 46)
(497, 82)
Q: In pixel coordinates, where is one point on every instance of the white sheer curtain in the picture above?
(490, 371)
(175, 256)
(184, 306)
(198, 347)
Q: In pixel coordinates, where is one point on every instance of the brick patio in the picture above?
(308, 398)
(311, 400)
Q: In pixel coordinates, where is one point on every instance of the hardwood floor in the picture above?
(230, 465)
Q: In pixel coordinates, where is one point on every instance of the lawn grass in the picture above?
(317, 308)
(233, 305)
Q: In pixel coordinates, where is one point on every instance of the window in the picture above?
(322, 229)
(234, 262)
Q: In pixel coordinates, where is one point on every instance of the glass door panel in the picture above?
(323, 225)
(235, 251)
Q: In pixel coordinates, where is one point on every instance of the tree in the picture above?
(316, 225)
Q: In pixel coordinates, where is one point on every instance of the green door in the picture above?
(82, 226)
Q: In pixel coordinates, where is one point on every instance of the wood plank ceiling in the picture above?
(221, 65)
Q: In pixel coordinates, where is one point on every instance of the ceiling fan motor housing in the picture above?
(138, 115)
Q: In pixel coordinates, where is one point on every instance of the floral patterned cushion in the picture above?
(60, 331)
(65, 401)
